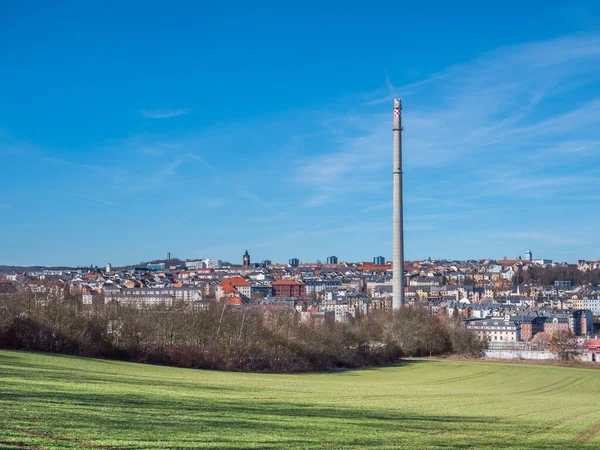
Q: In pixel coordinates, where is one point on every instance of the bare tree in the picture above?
(566, 345)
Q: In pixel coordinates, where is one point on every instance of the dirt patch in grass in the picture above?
(588, 434)
(20, 445)
(531, 362)
(53, 437)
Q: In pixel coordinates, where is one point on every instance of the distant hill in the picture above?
(4, 269)
(11, 269)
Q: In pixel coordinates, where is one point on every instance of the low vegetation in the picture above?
(223, 338)
(57, 402)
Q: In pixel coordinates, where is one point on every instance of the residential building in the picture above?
(152, 296)
(562, 284)
(239, 284)
(425, 281)
(496, 329)
(593, 304)
(288, 288)
(553, 325)
(530, 326)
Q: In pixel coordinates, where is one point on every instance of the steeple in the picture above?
(246, 259)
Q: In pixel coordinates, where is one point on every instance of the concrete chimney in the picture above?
(398, 220)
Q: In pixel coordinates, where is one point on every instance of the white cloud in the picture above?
(501, 108)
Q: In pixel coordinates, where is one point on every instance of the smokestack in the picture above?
(398, 244)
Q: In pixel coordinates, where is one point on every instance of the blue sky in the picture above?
(127, 131)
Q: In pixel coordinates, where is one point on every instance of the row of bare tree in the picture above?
(221, 337)
(548, 275)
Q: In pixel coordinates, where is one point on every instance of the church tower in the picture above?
(246, 259)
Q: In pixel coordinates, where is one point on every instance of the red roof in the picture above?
(593, 344)
(229, 289)
(235, 282)
(234, 301)
(287, 283)
(373, 267)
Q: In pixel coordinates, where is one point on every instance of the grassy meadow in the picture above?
(51, 401)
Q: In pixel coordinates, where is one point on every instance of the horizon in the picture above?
(273, 262)
(140, 130)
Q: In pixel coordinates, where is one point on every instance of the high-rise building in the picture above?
(108, 268)
(332, 260)
(379, 260)
(294, 262)
(246, 259)
(529, 255)
(266, 262)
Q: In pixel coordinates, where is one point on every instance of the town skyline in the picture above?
(206, 137)
(330, 259)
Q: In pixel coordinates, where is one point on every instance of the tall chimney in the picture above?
(398, 244)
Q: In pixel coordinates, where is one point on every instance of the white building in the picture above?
(204, 264)
(593, 304)
(211, 264)
(542, 262)
(153, 296)
(496, 329)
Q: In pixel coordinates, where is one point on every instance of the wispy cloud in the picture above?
(316, 200)
(502, 109)
(64, 162)
(99, 200)
(547, 238)
(164, 113)
(377, 207)
(202, 160)
(257, 199)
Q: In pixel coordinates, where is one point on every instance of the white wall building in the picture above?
(153, 296)
(593, 304)
(496, 329)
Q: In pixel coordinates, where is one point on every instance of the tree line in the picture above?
(223, 337)
(548, 275)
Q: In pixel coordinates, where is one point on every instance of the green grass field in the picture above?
(64, 402)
